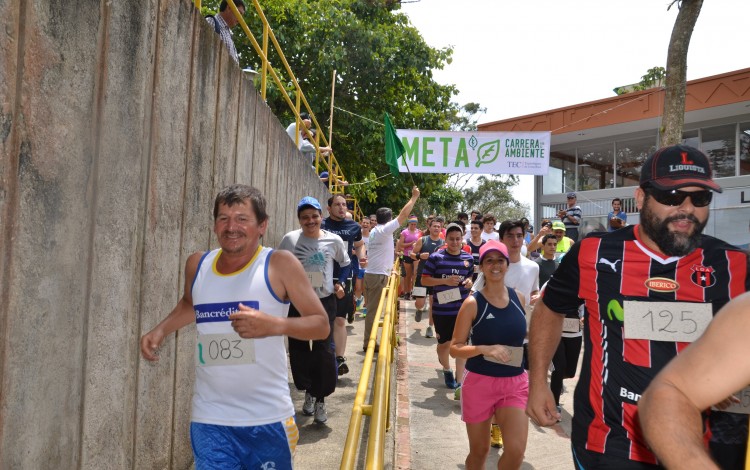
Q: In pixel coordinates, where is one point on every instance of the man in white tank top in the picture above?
(239, 297)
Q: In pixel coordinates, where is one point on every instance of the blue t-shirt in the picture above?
(442, 264)
(622, 216)
(350, 232)
(494, 325)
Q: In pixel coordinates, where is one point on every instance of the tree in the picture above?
(673, 116)
(383, 65)
(492, 194)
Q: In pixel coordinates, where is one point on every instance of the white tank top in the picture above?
(243, 394)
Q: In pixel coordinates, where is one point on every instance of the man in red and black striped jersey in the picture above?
(648, 290)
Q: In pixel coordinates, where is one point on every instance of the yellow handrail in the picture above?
(328, 162)
(386, 318)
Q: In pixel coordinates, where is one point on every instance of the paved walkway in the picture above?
(428, 431)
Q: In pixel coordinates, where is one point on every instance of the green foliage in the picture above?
(654, 77)
(492, 194)
(383, 65)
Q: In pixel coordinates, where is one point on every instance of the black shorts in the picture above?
(444, 325)
(345, 305)
(418, 283)
(408, 259)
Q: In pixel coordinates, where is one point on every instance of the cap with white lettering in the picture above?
(677, 166)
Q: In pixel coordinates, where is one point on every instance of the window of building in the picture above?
(630, 157)
(719, 143)
(595, 167)
(692, 138)
(562, 174)
(745, 148)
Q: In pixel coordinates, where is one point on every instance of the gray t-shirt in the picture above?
(317, 257)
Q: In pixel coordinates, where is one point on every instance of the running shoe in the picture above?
(559, 410)
(309, 407)
(343, 368)
(496, 437)
(450, 380)
(320, 413)
(429, 333)
(360, 301)
(350, 317)
(457, 393)
(364, 312)
(418, 315)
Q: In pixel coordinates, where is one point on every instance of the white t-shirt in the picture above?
(490, 236)
(380, 251)
(522, 276)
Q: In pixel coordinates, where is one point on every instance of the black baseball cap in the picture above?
(677, 166)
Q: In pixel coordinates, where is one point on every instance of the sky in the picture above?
(518, 57)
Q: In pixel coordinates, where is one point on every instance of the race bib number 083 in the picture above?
(666, 321)
(224, 350)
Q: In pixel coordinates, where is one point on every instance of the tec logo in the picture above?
(703, 276)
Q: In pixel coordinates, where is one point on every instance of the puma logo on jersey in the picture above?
(611, 264)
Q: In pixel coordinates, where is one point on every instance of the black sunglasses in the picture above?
(675, 197)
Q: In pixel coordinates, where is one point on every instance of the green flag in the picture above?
(393, 146)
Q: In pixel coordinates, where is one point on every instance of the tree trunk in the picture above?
(673, 116)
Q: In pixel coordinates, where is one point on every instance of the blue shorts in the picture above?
(244, 447)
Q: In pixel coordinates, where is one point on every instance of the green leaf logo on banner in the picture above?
(473, 142)
(488, 152)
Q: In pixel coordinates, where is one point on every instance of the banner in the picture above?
(506, 153)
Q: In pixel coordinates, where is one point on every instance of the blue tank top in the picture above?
(495, 325)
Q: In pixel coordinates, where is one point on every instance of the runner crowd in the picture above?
(510, 309)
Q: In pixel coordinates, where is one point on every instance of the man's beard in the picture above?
(671, 243)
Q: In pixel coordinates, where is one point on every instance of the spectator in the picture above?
(617, 218)
(223, 24)
(571, 217)
(563, 242)
(305, 137)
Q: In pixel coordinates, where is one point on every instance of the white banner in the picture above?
(497, 153)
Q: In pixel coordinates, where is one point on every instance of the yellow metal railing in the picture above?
(386, 318)
(328, 161)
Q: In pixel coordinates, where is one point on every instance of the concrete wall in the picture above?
(119, 122)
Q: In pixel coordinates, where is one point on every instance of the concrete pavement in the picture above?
(428, 432)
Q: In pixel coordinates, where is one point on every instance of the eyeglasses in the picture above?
(676, 197)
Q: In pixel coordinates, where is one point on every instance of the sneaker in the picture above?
(343, 368)
(429, 333)
(350, 317)
(320, 413)
(450, 380)
(418, 315)
(364, 310)
(309, 407)
(457, 393)
(559, 410)
(360, 301)
(496, 437)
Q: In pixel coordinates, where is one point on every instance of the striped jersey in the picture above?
(602, 272)
(442, 264)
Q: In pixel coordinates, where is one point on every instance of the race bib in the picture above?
(516, 357)
(571, 325)
(419, 292)
(224, 350)
(743, 407)
(316, 279)
(666, 321)
(448, 296)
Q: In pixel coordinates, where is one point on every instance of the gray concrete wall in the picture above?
(119, 122)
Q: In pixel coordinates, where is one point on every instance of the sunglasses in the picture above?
(675, 197)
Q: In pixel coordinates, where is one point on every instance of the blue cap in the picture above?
(308, 201)
(571, 195)
(324, 174)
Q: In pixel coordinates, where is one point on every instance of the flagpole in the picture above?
(330, 121)
(407, 169)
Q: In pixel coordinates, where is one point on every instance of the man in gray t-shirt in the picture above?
(314, 369)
